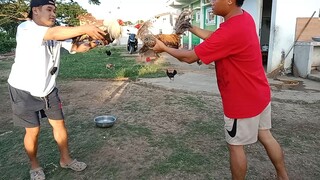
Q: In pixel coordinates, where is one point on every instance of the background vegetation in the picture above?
(13, 12)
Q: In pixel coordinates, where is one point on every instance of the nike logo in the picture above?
(233, 131)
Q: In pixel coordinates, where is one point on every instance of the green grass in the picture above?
(92, 65)
(196, 150)
(182, 159)
(185, 159)
(5, 67)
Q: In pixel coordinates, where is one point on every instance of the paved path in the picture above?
(192, 77)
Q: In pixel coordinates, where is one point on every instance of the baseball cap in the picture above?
(36, 3)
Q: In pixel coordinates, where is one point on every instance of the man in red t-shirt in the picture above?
(242, 82)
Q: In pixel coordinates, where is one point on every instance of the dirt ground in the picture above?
(296, 126)
(169, 112)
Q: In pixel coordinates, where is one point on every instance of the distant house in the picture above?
(202, 17)
(276, 24)
(163, 23)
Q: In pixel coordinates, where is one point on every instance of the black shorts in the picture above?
(28, 109)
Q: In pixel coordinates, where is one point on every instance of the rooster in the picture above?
(108, 52)
(199, 62)
(171, 73)
(171, 40)
(112, 29)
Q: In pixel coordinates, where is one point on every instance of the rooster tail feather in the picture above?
(183, 22)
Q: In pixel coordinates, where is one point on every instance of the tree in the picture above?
(140, 21)
(96, 2)
(128, 23)
(68, 13)
(12, 10)
(11, 13)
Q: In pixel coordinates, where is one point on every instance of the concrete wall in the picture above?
(254, 8)
(283, 23)
(163, 24)
(282, 26)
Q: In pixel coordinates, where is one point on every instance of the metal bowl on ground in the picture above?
(316, 38)
(105, 121)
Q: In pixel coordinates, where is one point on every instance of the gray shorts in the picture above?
(28, 110)
(245, 131)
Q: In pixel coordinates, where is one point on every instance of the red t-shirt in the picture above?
(242, 82)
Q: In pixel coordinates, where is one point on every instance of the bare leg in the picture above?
(238, 162)
(274, 152)
(61, 136)
(31, 145)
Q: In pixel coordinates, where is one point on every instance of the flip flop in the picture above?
(37, 174)
(74, 165)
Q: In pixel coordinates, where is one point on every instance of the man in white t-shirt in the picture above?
(32, 81)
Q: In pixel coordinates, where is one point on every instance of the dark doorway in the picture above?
(265, 30)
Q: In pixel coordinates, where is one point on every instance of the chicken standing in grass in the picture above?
(108, 52)
(171, 40)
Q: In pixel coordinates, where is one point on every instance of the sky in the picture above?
(127, 10)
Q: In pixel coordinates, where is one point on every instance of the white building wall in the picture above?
(164, 24)
(254, 8)
(283, 25)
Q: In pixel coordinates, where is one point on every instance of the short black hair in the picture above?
(239, 2)
(30, 14)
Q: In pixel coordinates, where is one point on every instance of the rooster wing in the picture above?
(112, 29)
(171, 40)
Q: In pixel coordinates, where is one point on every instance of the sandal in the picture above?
(37, 174)
(74, 165)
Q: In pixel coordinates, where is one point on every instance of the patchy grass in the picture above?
(5, 66)
(92, 65)
(159, 134)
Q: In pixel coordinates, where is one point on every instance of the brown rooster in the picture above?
(112, 29)
(171, 40)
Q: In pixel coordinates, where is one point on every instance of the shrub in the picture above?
(7, 44)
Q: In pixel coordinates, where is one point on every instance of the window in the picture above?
(210, 17)
(164, 20)
(197, 14)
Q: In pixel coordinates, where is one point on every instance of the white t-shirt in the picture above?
(34, 59)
